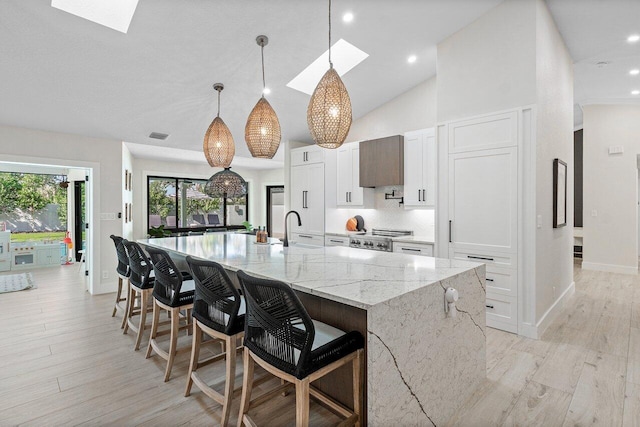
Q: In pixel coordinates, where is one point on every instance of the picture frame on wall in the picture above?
(126, 179)
(559, 193)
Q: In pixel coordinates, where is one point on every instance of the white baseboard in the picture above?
(535, 331)
(552, 313)
(610, 268)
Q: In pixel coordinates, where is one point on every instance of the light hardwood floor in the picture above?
(65, 361)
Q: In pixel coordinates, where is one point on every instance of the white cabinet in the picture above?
(48, 256)
(483, 207)
(420, 168)
(336, 241)
(424, 249)
(307, 239)
(307, 198)
(307, 155)
(349, 192)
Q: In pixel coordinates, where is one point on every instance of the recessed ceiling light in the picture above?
(635, 92)
(412, 59)
(633, 38)
(344, 56)
(115, 14)
(347, 17)
(634, 72)
(266, 91)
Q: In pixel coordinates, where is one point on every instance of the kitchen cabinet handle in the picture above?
(424, 196)
(419, 196)
(304, 156)
(346, 196)
(336, 241)
(484, 258)
(489, 306)
(449, 231)
(349, 196)
(411, 249)
(489, 280)
(306, 237)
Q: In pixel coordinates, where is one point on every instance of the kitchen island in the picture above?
(421, 364)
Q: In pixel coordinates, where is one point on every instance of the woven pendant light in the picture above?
(226, 183)
(329, 111)
(218, 145)
(262, 131)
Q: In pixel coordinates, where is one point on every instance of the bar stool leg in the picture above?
(231, 378)
(132, 304)
(358, 378)
(302, 403)
(175, 323)
(247, 385)
(144, 302)
(115, 306)
(154, 327)
(128, 312)
(195, 354)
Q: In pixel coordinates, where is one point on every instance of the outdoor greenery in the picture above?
(162, 199)
(47, 235)
(31, 193)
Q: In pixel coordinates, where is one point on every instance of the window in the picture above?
(180, 204)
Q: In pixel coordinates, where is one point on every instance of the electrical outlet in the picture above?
(105, 274)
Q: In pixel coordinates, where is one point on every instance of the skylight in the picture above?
(344, 56)
(115, 14)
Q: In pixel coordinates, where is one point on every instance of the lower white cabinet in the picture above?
(307, 239)
(501, 312)
(48, 256)
(336, 241)
(424, 249)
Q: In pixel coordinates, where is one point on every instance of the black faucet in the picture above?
(286, 238)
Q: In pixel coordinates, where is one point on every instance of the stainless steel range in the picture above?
(378, 240)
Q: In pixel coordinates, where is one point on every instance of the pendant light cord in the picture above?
(330, 63)
(264, 85)
(218, 103)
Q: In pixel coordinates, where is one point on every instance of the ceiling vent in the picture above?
(158, 135)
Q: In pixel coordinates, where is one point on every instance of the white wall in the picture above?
(610, 188)
(257, 179)
(127, 195)
(104, 158)
(413, 110)
(554, 139)
(490, 64)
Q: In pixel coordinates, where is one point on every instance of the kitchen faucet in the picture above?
(286, 239)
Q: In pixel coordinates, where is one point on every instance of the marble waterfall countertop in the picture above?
(355, 277)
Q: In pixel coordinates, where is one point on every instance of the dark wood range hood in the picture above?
(382, 161)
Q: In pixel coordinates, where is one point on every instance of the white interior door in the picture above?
(483, 200)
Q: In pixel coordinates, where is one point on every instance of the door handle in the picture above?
(489, 306)
(489, 280)
(419, 196)
(306, 237)
(449, 231)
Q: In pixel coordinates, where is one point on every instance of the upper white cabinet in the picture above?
(420, 168)
(349, 192)
(307, 155)
(307, 191)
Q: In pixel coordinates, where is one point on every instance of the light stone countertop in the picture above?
(351, 276)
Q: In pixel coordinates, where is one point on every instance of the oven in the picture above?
(22, 256)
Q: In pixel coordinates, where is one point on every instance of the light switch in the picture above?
(539, 221)
(594, 213)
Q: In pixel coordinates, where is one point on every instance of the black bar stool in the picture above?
(282, 338)
(172, 291)
(141, 283)
(218, 311)
(123, 272)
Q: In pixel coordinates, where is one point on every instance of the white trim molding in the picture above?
(610, 268)
(535, 331)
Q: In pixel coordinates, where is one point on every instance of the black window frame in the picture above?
(185, 230)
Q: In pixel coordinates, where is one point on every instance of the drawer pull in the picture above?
(411, 249)
(489, 306)
(480, 257)
(306, 237)
(336, 241)
(489, 280)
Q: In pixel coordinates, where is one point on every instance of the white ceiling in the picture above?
(66, 74)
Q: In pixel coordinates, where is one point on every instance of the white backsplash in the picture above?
(386, 214)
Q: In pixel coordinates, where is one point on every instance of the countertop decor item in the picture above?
(262, 131)
(218, 146)
(329, 110)
(352, 224)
